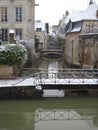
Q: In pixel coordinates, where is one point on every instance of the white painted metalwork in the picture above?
(33, 77)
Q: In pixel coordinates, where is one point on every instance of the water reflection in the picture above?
(52, 67)
(52, 63)
(53, 93)
(70, 119)
(50, 119)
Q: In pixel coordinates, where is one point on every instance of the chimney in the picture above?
(91, 2)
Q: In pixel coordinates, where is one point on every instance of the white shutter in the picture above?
(23, 14)
(9, 14)
(13, 14)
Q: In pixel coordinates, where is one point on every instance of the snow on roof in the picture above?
(87, 14)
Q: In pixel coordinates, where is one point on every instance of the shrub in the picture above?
(13, 54)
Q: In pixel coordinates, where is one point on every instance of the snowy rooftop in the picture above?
(87, 14)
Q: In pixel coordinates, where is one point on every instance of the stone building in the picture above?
(82, 37)
(17, 19)
(41, 33)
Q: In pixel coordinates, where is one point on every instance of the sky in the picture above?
(51, 11)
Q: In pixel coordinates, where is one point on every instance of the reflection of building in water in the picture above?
(53, 93)
(51, 66)
(65, 119)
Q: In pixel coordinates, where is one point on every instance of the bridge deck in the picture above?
(33, 82)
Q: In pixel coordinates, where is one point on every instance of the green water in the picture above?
(20, 114)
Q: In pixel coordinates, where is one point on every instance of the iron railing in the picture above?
(61, 76)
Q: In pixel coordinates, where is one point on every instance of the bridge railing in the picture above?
(62, 76)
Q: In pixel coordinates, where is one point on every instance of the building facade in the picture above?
(41, 33)
(17, 17)
(82, 37)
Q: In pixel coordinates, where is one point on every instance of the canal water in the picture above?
(52, 65)
(68, 119)
(50, 114)
(53, 111)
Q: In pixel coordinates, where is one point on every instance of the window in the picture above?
(18, 14)
(38, 29)
(19, 33)
(3, 14)
(4, 35)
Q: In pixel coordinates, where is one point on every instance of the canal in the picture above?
(51, 65)
(70, 113)
(52, 111)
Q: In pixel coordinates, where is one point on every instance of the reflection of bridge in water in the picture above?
(83, 115)
(64, 114)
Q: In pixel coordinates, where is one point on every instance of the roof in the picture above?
(87, 14)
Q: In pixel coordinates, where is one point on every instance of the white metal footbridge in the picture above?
(54, 78)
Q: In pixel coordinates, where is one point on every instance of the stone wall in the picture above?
(6, 72)
(28, 16)
(71, 48)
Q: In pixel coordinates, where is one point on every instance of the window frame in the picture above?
(4, 34)
(4, 14)
(19, 33)
(19, 14)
